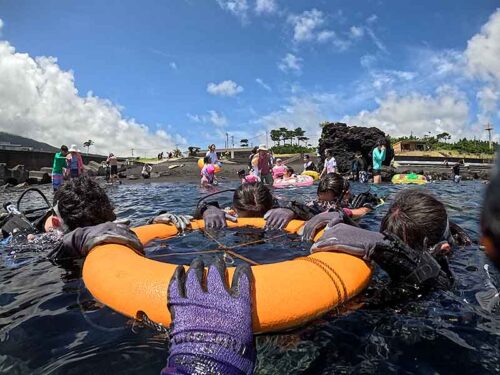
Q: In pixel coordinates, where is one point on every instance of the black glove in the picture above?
(215, 218)
(79, 242)
(402, 263)
(366, 200)
(278, 218)
(320, 221)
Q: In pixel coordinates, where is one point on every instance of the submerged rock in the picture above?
(345, 141)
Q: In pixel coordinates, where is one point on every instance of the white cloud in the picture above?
(290, 63)
(367, 61)
(376, 40)
(217, 119)
(483, 51)
(239, 8)
(446, 111)
(325, 36)
(173, 65)
(266, 6)
(263, 84)
(356, 32)
(39, 100)
(213, 117)
(489, 100)
(372, 19)
(306, 25)
(224, 88)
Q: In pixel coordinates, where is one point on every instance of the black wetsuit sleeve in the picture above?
(301, 210)
(70, 244)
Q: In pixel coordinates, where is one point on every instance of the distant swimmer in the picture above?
(456, 173)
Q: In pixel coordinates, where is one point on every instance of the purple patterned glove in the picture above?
(212, 325)
(278, 218)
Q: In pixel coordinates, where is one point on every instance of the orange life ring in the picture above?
(287, 294)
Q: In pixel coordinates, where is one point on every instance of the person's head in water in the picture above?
(289, 171)
(252, 200)
(241, 173)
(418, 219)
(490, 218)
(81, 202)
(64, 150)
(333, 188)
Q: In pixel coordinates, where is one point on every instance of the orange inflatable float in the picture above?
(287, 294)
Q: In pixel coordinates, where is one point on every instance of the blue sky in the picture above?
(186, 72)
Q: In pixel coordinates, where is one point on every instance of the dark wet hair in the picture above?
(207, 160)
(64, 148)
(417, 218)
(83, 203)
(255, 149)
(241, 172)
(490, 215)
(252, 200)
(290, 170)
(335, 183)
(306, 156)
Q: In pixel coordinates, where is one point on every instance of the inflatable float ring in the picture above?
(286, 294)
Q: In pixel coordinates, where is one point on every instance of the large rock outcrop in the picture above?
(346, 140)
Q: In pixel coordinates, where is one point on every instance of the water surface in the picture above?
(50, 324)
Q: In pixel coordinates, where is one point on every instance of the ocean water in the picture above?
(50, 324)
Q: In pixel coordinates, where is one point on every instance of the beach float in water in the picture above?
(201, 164)
(411, 178)
(313, 174)
(287, 294)
(299, 181)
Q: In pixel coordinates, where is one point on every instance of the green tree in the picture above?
(298, 132)
(244, 142)
(87, 144)
(276, 136)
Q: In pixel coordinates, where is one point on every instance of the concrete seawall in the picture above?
(35, 160)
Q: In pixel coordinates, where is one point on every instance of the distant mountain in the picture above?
(26, 142)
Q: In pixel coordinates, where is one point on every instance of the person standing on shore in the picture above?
(251, 156)
(308, 164)
(113, 163)
(330, 163)
(214, 159)
(74, 162)
(58, 167)
(378, 155)
(264, 165)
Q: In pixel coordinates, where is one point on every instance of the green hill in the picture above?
(26, 142)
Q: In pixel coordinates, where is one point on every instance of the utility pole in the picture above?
(232, 140)
(267, 142)
(489, 128)
(132, 152)
(227, 140)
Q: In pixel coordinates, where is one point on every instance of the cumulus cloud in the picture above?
(489, 100)
(446, 111)
(483, 51)
(265, 6)
(212, 117)
(356, 32)
(262, 84)
(306, 25)
(39, 100)
(238, 8)
(290, 63)
(224, 88)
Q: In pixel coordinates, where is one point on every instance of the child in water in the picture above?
(289, 174)
(247, 178)
(207, 173)
(279, 169)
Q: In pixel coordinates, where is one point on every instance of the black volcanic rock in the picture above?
(346, 140)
